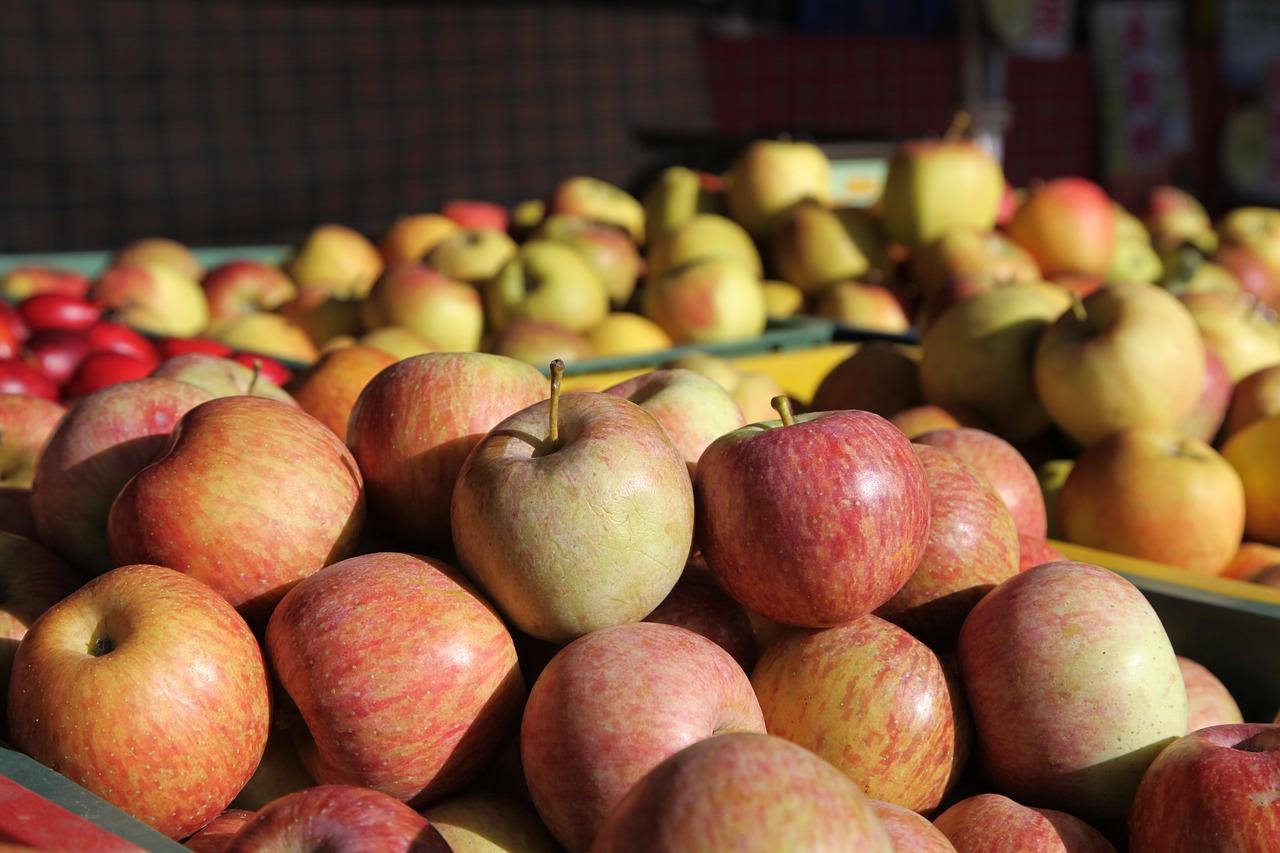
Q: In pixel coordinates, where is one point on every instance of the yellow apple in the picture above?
(711, 301)
(410, 237)
(624, 333)
(399, 341)
(599, 201)
(337, 259)
(157, 300)
(815, 245)
(675, 195)
(934, 185)
(472, 254)
(701, 237)
(549, 281)
(782, 299)
(269, 333)
(770, 176)
(1254, 451)
(160, 251)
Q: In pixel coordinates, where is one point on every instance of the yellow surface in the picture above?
(1169, 574)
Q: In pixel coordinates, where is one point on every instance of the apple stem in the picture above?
(960, 124)
(557, 371)
(257, 371)
(1077, 307)
(782, 405)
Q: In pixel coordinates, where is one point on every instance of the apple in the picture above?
(972, 546)
(1252, 452)
(337, 817)
(701, 237)
(240, 287)
(19, 282)
(694, 409)
(815, 245)
(1212, 789)
(639, 692)
(782, 299)
(879, 376)
(1253, 396)
(19, 377)
(1251, 558)
(419, 297)
(280, 770)
(1245, 338)
(598, 201)
(1250, 274)
(429, 715)
(328, 389)
(26, 423)
(1173, 216)
(1206, 419)
(753, 390)
(272, 334)
(110, 336)
(872, 700)
(863, 305)
(994, 822)
(710, 301)
(743, 791)
(1157, 495)
(472, 255)
(925, 180)
(56, 353)
(1254, 227)
(477, 213)
(549, 281)
(1127, 355)
(100, 369)
(699, 603)
(610, 250)
(626, 333)
(915, 421)
(1073, 686)
(1209, 701)
(157, 300)
(911, 832)
(65, 312)
(250, 496)
(160, 251)
(676, 194)
(411, 236)
(1068, 226)
(413, 424)
(13, 331)
(838, 501)
(320, 315)
(485, 822)
(214, 835)
(980, 354)
(176, 674)
(540, 342)
(966, 253)
(768, 177)
(336, 259)
(168, 346)
(1033, 551)
(270, 368)
(398, 341)
(221, 376)
(610, 488)
(103, 440)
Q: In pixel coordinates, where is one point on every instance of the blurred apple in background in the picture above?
(417, 296)
(710, 301)
(56, 353)
(398, 341)
(1128, 355)
(1157, 495)
(1206, 419)
(782, 299)
(1256, 228)
(47, 311)
(549, 281)
(863, 305)
(678, 193)
(1250, 558)
(702, 237)
(1068, 226)
(336, 259)
(486, 822)
(18, 283)
(1254, 451)
(623, 333)
(100, 369)
(220, 376)
(768, 177)
(1245, 339)
(271, 334)
(1174, 216)
(740, 791)
(411, 236)
(242, 287)
(879, 376)
(1253, 396)
(962, 262)
(328, 389)
(1133, 256)
(322, 316)
(539, 342)
(19, 377)
(1209, 702)
(915, 421)
(598, 201)
(610, 250)
(815, 245)
(996, 823)
(472, 255)
(158, 300)
(162, 252)
(1248, 272)
(477, 213)
(611, 705)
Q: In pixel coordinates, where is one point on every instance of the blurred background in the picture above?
(225, 122)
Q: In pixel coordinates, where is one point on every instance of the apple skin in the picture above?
(1131, 355)
(699, 603)
(1252, 397)
(177, 674)
(486, 822)
(280, 771)
(743, 791)
(1245, 337)
(104, 439)
(874, 701)
(815, 245)
(998, 824)
(1156, 495)
(575, 533)
(1210, 413)
(214, 835)
(240, 287)
(160, 251)
(158, 300)
(614, 703)
(335, 259)
(1209, 702)
(700, 238)
(63, 311)
(610, 250)
(1068, 226)
(1212, 789)
(863, 305)
(1073, 686)
(539, 342)
(838, 501)
(19, 377)
(472, 255)
(599, 201)
(550, 281)
(1253, 453)
(221, 376)
(714, 300)
(1033, 552)
(18, 283)
(337, 817)
(412, 294)
(675, 195)
(26, 424)
(911, 832)
(414, 423)
(411, 236)
(477, 213)
(271, 334)
(924, 179)
(972, 547)
(624, 333)
(768, 177)
(405, 677)
(328, 389)
(879, 376)
(199, 507)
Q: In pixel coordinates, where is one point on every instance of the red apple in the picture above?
(743, 791)
(1253, 275)
(477, 213)
(1033, 552)
(1212, 789)
(19, 377)
(110, 336)
(251, 496)
(221, 376)
(1209, 702)
(168, 347)
(1067, 224)
(10, 342)
(214, 835)
(272, 368)
(995, 823)
(405, 678)
(814, 519)
(178, 679)
(411, 236)
(241, 287)
(911, 832)
(97, 370)
(613, 704)
(20, 282)
(56, 353)
(699, 603)
(59, 311)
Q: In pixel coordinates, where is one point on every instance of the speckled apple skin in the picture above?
(1209, 702)
(995, 823)
(814, 523)
(611, 705)
(1217, 788)
(1073, 685)
(338, 818)
(593, 532)
(748, 792)
(872, 700)
(910, 831)
(251, 496)
(170, 724)
(407, 681)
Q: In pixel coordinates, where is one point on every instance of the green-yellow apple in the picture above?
(411, 236)
(540, 342)
(1187, 270)
(178, 678)
(769, 176)
(479, 821)
(405, 678)
(1156, 495)
(472, 255)
(327, 390)
(398, 341)
(270, 333)
(967, 260)
(934, 185)
(815, 245)
(418, 296)
(160, 251)
(874, 701)
(1127, 355)
(336, 259)
(678, 193)
(574, 513)
(599, 201)
(321, 316)
(744, 791)
(220, 376)
(1133, 256)
(549, 281)
(710, 301)
(700, 237)
(1246, 338)
(863, 305)
(1257, 228)
(415, 422)
(1068, 226)
(611, 705)
(156, 300)
(241, 287)
(624, 333)
(782, 299)
(1254, 451)
(249, 497)
(1173, 216)
(612, 252)
(994, 822)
